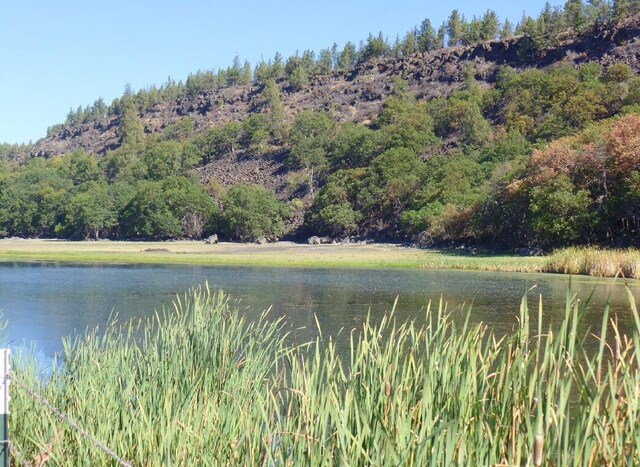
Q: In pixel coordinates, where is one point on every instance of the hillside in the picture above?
(468, 143)
(358, 95)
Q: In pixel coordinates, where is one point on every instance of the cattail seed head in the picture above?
(387, 388)
(537, 450)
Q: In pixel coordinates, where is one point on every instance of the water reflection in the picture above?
(45, 302)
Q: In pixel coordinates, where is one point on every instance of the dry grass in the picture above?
(594, 261)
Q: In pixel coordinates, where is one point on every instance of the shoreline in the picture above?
(279, 254)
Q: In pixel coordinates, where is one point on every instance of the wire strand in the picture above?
(72, 423)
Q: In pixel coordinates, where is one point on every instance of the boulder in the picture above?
(211, 239)
(261, 240)
(315, 240)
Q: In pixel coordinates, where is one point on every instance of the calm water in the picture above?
(43, 303)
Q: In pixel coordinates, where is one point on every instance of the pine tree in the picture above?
(621, 9)
(347, 57)
(324, 65)
(440, 37)
(489, 26)
(455, 28)
(507, 30)
(245, 76)
(426, 37)
(277, 69)
(575, 14)
(598, 11)
(272, 100)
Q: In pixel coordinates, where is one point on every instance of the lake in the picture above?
(44, 302)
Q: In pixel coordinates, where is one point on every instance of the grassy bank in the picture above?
(593, 261)
(204, 387)
(577, 261)
(283, 254)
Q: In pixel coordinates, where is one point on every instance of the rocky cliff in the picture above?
(358, 95)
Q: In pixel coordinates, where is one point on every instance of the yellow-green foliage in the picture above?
(201, 386)
(594, 261)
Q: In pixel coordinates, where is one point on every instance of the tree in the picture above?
(90, 212)
(251, 211)
(147, 214)
(455, 28)
(221, 141)
(507, 29)
(131, 128)
(354, 146)
(621, 9)
(275, 110)
(560, 213)
(426, 37)
(376, 46)
(234, 72)
(489, 26)
(440, 37)
(189, 202)
(277, 68)
(79, 167)
(391, 182)
(408, 46)
(299, 78)
(623, 146)
(405, 123)
(324, 64)
(256, 133)
(575, 14)
(32, 203)
(347, 57)
(335, 220)
(163, 159)
(599, 11)
(262, 71)
(311, 135)
(332, 212)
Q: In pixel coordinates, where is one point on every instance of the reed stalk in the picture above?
(201, 385)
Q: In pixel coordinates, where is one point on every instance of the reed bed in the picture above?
(199, 385)
(593, 261)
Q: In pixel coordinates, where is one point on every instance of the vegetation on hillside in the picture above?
(542, 157)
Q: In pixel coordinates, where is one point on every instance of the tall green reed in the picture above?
(205, 386)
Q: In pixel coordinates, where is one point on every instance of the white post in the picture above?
(5, 366)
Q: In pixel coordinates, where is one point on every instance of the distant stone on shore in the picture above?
(211, 239)
(315, 240)
(261, 240)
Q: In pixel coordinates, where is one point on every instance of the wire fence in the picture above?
(69, 421)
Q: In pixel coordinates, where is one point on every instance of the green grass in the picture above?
(202, 386)
(276, 255)
(577, 260)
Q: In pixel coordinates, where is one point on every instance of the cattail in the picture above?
(537, 450)
(387, 388)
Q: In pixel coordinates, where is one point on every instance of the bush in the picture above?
(251, 211)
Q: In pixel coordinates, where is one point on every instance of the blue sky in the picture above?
(55, 55)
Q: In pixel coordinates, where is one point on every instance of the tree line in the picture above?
(543, 158)
(550, 27)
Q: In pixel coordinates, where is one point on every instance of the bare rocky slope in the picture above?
(354, 96)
